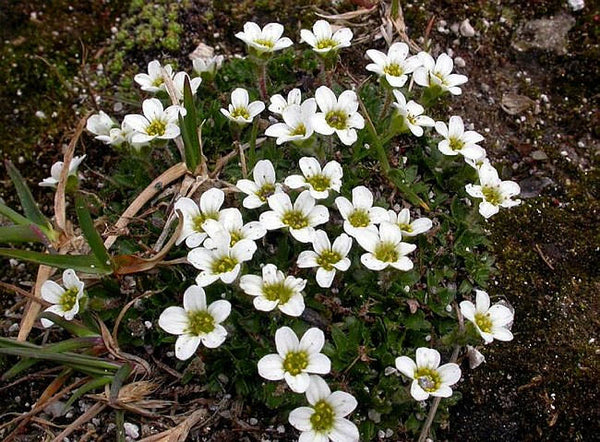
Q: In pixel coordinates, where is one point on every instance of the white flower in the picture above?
(301, 218)
(100, 124)
(323, 39)
(279, 104)
(240, 110)
(438, 73)
(394, 66)
(491, 322)
(65, 302)
(224, 261)
(477, 163)
(209, 65)
(297, 125)
(318, 181)
(153, 81)
(195, 323)
(457, 140)
(274, 289)
(325, 418)
(385, 249)
(265, 40)
(326, 257)
(262, 187)
(194, 217)
(360, 215)
(56, 170)
(428, 377)
(411, 114)
(495, 192)
(402, 221)
(179, 82)
(156, 123)
(338, 116)
(295, 359)
(231, 221)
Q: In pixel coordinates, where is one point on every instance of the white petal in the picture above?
(417, 392)
(215, 337)
(173, 320)
(344, 431)
(372, 263)
(219, 310)
(298, 383)
(52, 292)
(406, 366)
(300, 418)
(317, 390)
(325, 277)
(286, 341)
(307, 259)
(312, 341)
(212, 200)
(343, 403)
(271, 367)
(186, 346)
(319, 364)
(194, 299)
(427, 357)
(294, 307)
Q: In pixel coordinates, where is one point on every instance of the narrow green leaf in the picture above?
(68, 359)
(30, 207)
(71, 327)
(20, 234)
(19, 367)
(79, 263)
(89, 231)
(15, 217)
(188, 128)
(120, 376)
(397, 177)
(88, 386)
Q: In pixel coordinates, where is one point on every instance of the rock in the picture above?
(466, 30)
(131, 430)
(459, 62)
(549, 34)
(202, 51)
(514, 104)
(576, 5)
(539, 155)
(532, 187)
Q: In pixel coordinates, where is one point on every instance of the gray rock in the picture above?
(539, 155)
(549, 34)
(466, 30)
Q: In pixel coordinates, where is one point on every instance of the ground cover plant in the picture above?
(374, 317)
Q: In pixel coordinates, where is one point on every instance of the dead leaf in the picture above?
(514, 104)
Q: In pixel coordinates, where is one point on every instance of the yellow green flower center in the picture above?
(264, 42)
(359, 218)
(156, 127)
(265, 191)
(69, 298)
(158, 81)
(386, 252)
(405, 227)
(393, 69)
(412, 119)
(199, 219)
(484, 322)
(328, 258)
(319, 182)
(492, 195)
(277, 292)
(236, 235)
(295, 362)
(224, 265)
(428, 379)
(323, 417)
(298, 130)
(200, 322)
(240, 112)
(326, 43)
(295, 219)
(337, 119)
(456, 143)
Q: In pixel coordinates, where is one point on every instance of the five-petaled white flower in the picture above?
(301, 217)
(325, 418)
(402, 221)
(328, 258)
(438, 73)
(274, 289)
(65, 302)
(427, 375)
(100, 124)
(223, 261)
(231, 221)
(265, 40)
(179, 82)
(394, 66)
(279, 104)
(385, 249)
(323, 39)
(360, 214)
(338, 116)
(491, 322)
(195, 323)
(495, 192)
(240, 110)
(262, 187)
(318, 181)
(411, 114)
(457, 140)
(194, 217)
(297, 125)
(154, 81)
(156, 123)
(208, 65)
(295, 359)
(56, 170)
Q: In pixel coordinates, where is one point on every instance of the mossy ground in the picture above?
(542, 386)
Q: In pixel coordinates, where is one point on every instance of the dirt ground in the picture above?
(533, 91)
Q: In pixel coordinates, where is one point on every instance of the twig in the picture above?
(544, 258)
(77, 423)
(24, 293)
(33, 308)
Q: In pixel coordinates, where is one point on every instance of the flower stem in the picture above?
(262, 80)
(386, 104)
(253, 135)
(382, 155)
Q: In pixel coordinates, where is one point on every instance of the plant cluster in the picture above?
(327, 277)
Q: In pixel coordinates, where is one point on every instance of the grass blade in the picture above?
(30, 207)
(19, 234)
(15, 217)
(89, 231)
(88, 386)
(189, 133)
(70, 326)
(79, 263)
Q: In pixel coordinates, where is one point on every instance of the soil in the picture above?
(535, 99)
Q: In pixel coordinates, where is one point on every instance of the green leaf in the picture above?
(89, 231)
(15, 217)
(71, 327)
(79, 263)
(120, 376)
(30, 207)
(20, 366)
(189, 132)
(398, 178)
(20, 234)
(88, 386)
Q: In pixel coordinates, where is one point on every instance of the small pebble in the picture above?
(131, 430)
(466, 30)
